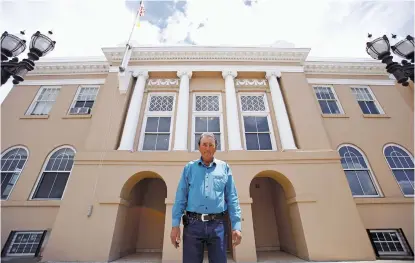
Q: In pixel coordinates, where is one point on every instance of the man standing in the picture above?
(205, 195)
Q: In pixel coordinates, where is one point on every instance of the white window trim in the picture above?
(378, 106)
(398, 234)
(338, 103)
(266, 113)
(75, 99)
(208, 114)
(45, 163)
(24, 165)
(32, 105)
(372, 175)
(390, 168)
(147, 114)
(13, 239)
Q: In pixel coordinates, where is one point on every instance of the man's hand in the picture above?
(175, 236)
(236, 238)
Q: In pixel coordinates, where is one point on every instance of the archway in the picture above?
(274, 222)
(139, 230)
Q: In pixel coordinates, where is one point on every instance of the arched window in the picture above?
(12, 163)
(55, 174)
(357, 171)
(402, 165)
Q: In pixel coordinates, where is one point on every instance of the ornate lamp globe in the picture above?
(378, 48)
(12, 45)
(405, 48)
(40, 45)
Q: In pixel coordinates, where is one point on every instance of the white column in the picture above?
(234, 134)
(283, 122)
(182, 116)
(133, 114)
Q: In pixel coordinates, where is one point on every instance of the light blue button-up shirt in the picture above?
(207, 190)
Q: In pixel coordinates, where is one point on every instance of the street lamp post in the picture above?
(380, 49)
(12, 46)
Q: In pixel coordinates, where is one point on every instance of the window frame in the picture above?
(207, 114)
(401, 238)
(375, 100)
(11, 238)
(266, 113)
(369, 168)
(390, 168)
(29, 111)
(24, 165)
(40, 176)
(148, 113)
(75, 99)
(338, 103)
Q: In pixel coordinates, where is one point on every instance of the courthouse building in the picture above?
(321, 151)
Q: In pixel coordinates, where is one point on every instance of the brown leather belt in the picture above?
(206, 217)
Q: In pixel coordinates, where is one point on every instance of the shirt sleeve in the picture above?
(181, 199)
(232, 201)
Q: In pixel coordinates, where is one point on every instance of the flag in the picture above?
(141, 12)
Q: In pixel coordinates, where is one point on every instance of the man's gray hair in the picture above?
(207, 134)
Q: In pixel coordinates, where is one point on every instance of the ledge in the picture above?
(334, 115)
(383, 200)
(86, 116)
(382, 116)
(308, 198)
(34, 117)
(31, 203)
(174, 158)
(113, 201)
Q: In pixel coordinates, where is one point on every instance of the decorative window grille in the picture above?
(402, 165)
(256, 122)
(207, 117)
(157, 125)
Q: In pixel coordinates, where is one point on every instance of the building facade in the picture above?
(321, 151)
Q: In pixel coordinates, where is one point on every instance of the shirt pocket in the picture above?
(219, 182)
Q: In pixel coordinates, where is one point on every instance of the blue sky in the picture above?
(330, 28)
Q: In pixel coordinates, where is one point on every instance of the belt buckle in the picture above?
(203, 218)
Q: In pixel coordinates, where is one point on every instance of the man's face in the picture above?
(207, 147)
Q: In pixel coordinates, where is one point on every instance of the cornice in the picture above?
(200, 53)
(69, 68)
(343, 67)
(179, 54)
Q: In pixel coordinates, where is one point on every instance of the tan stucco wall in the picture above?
(320, 221)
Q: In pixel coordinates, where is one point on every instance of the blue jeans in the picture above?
(212, 233)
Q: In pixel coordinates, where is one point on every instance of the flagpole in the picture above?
(128, 46)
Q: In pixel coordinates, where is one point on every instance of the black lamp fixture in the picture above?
(379, 49)
(14, 45)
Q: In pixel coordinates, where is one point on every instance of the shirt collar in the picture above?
(211, 164)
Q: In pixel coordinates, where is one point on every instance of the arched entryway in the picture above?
(274, 221)
(140, 222)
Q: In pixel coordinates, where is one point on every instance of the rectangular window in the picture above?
(327, 100)
(366, 100)
(207, 117)
(44, 101)
(257, 124)
(24, 243)
(389, 243)
(157, 123)
(84, 100)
